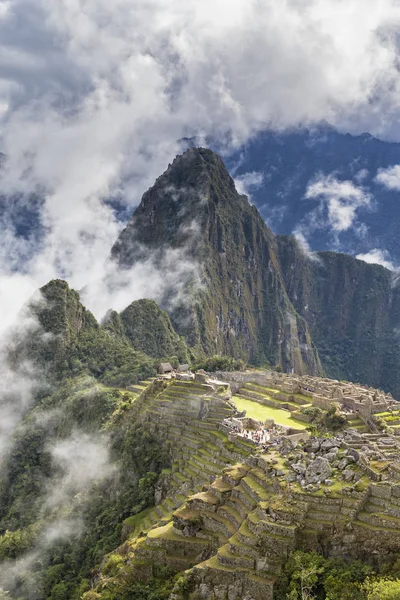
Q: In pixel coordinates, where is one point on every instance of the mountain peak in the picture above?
(195, 215)
(183, 197)
(196, 169)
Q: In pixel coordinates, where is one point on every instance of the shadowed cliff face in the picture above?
(353, 312)
(234, 300)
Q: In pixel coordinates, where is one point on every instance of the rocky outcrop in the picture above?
(247, 293)
(234, 300)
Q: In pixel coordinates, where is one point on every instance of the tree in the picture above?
(307, 567)
(382, 589)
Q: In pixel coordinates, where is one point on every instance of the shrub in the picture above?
(219, 363)
(382, 589)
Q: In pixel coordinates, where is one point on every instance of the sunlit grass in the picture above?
(258, 411)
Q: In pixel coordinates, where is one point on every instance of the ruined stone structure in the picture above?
(228, 514)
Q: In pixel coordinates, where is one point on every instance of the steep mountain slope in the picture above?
(234, 299)
(64, 338)
(353, 311)
(149, 329)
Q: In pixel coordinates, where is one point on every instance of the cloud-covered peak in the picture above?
(94, 95)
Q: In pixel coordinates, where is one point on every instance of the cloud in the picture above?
(338, 204)
(390, 177)
(248, 182)
(81, 459)
(361, 175)
(378, 257)
(21, 380)
(341, 198)
(79, 462)
(273, 215)
(305, 246)
(93, 98)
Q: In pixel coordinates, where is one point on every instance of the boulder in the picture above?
(286, 447)
(314, 446)
(332, 454)
(318, 470)
(348, 475)
(343, 464)
(298, 468)
(354, 454)
(330, 443)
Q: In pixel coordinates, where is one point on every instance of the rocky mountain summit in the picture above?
(257, 296)
(234, 298)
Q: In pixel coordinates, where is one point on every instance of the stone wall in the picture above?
(238, 378)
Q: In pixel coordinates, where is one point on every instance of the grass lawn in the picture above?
(258, 411)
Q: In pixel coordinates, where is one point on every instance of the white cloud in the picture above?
(390, 177)
(361, 175)
(94, 96)
(81, 460)
(5, 6)
(248, 182)
(305, 246)
(378, 257)
(341, 198)
(337, 209)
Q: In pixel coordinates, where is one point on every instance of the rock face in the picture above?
(240, 305)
(256, 296)
(353, 312)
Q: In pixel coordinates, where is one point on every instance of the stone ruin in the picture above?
(227, 515)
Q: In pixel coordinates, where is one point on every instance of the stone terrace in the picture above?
(229, 514)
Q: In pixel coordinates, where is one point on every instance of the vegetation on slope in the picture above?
(149, 330)
(68, 341)
(86, 415)
(310, 576)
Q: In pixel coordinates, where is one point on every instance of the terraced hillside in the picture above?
(227, 515)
